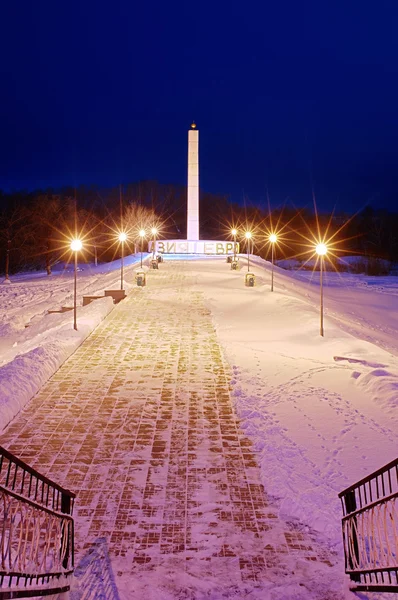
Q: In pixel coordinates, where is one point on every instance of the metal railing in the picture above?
(36, 532)
(370, 530)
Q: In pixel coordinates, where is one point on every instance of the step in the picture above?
(88, 299)
(117, 295)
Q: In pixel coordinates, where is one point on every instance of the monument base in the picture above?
(206, 247)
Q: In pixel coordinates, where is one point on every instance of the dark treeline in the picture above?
(36, 227)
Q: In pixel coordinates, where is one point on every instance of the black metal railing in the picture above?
(370, 530)
(36, 532)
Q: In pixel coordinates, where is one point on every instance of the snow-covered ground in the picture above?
(363, 305)
(321, 412)
(33, 343)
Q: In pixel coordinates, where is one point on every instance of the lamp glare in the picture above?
(76, 245)
(122, 237)
(321, 249)
(273, 238)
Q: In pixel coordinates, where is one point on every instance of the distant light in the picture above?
(76, 245)
(154, 231)
(248, 235)
(122, 237)
(142, 232)
(321, 249)
(273, 238)
(234, 231)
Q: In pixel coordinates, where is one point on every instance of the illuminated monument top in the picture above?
(193, 245)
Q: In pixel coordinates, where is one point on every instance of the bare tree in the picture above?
(137, 217)
(14, 233)
(45, 218)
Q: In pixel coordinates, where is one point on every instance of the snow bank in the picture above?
(383, 386)
(23, 376)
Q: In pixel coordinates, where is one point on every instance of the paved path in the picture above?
(139, 423)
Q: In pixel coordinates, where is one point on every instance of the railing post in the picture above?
(66, 509)
(350, 507)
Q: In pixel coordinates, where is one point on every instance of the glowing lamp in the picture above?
(154, 231)
(122, 237)
(273, 238)
(321, 249)
(234, 231)
(248, 236)
(76, 245)
(142, 233)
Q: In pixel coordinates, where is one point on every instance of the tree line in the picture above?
(36, 227)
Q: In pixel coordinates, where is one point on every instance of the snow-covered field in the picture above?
(33, 343)
(321, 412)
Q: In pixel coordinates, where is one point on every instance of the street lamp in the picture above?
(234, 233)
(248, 236)
(122, 239)
(154, 232)
(321, 250)
(142, 235)
(273, 239)
(76, 246)
(7, 278)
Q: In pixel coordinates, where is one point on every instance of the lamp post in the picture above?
(234, 233)
(321, 250)
(7, 278)
(272, 238)
(75, 246)
(248, 236)
(122, 239)
(154, 232)
(142, 235)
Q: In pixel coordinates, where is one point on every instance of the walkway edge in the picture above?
(22, 378)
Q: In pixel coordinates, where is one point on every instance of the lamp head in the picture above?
(142, 233)
(154, 231)
(122, 236)
(234, 231)
(321, 249)
(76, 245)
(273, 238)
(248, 235)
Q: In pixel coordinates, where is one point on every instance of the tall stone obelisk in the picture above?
(193, 184)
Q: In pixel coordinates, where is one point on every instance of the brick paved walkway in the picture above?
(139, 423)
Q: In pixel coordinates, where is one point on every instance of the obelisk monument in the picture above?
(193, 184)
(193, 245)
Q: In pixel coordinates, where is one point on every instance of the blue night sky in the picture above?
(286, 95)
